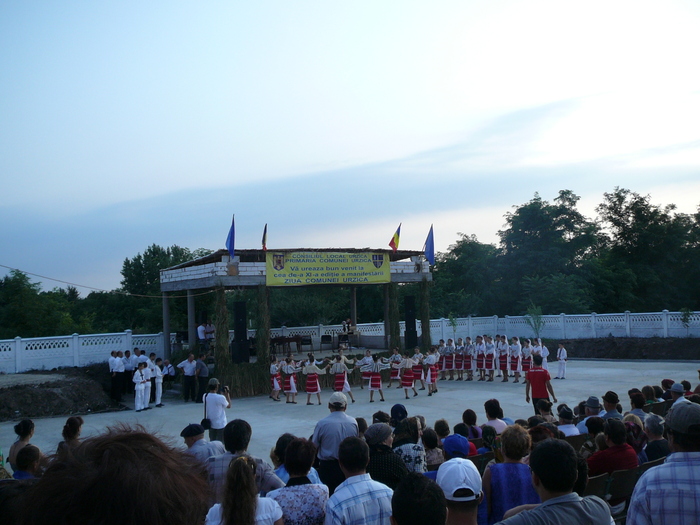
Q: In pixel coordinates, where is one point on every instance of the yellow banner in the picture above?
(310, 268)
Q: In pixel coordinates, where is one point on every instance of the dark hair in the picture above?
(430, 438)
(637, 400)
(595, 425)
(240, 499)
(300, 457)
(380, 417)
(237, 435)
(533, 421)
(442, 428)
(27, 456)
(543, 405)
(281, 446)
(71, 430)
(537, 359)
(24, 428)
(615, 430)
(407, 429)
(461, 429)
(554, 461)
(361, 424)
(488, 436)
(493, 409)
(418, 500)
(686, 385)
(353, 454)
(648, 392)
(469, 417)
(522, 423)
(658, 391)
(633, 391)
(540, 433)
(582, 479)
(91, 482)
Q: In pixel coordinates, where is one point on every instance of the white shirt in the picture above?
(118, 365)
(561, 354)
(112, 363)
(201, 332)
(569, 430)
(267, 512)
(216, 406)
(159, 374)
(188, 367)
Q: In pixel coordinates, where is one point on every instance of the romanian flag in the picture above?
(264, 239)
(230, 240)
(429, 248)
(394, 242)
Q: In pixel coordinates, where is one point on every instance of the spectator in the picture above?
(545, 408)
(469, 419)
(303, 502)
(678, 394)
(71, 432)
(216, 405)
(610, 401)
(384, 466)
(381, 417)
(418, 500)
(649, 396)
(566, 422)
(237, 436)
(637, 401)
(361, 426)
(29, 460)
(668, 493)
(408, 446)
(493, 414)
(507, 485)
(188, 367)
(241, 503)
(358, 500)
(199, 447)
(488, 440)
(278, 455)
(637, 439)
(398, 414)
(533, 421)
(457, 446)
(657, 447)
(434, 455)
(666, 386)
(169, 374)
(460, 481)
(201, 372)
(123, 477)
(554, 471)
(24, 430)
(594, 426)
(687, 387)
(592, 409)
(442, 429)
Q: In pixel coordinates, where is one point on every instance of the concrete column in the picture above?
(191, 321)
(387, 328)
(75, 343)
(166, 327)
(628, 327)
(353, 304)
(664, 322)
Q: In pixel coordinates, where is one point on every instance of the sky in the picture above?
(124, 124)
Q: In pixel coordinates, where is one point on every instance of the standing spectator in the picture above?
(119, 375)
(169, 374)
(201, 372)
(408, 446)
(668, 493)
(328, 434)
(657, 447)
(418, 500)
(216, 405)
(460, 482)
(158, 397)
(202, 336)
(538, 380)
(129, 366)
(384, 466)
(303, 502)
(199, 447)
(358, 500)
(188, 367)
(210, 334)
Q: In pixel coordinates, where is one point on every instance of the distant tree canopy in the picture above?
(634, 256)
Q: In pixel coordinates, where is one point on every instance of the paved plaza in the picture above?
(269, 419)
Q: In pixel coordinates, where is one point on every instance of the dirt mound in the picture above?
(665, 349)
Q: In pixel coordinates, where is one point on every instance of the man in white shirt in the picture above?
(188, 367)
(561, 358)
(159, 383)
(216, 405)
(202, 336)
(566, 422)
(129, 367)
(358, 500)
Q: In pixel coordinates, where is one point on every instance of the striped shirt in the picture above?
(668, 494)
(358, 501)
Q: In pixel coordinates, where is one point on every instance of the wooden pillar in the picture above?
(387, 325)
(191, 321)
(353, 305)
(166, 327)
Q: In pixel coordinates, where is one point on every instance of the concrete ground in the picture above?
(269, 419)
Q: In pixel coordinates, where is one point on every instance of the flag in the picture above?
(394, 242)
(230, 240)
(264, 238)
(429, 248)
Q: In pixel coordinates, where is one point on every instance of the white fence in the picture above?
(20, 355)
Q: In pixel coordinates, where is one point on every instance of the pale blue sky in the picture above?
(129, 123)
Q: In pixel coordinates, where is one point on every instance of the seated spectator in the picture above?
(361, 426)
(554, 473)
(507, 485)
(637, 439)
(594, 426)
(533, 421)
(398, 414)
(610, 402)
(687, 387)
(545, 408)
(649, 396)
(540, 433)
(668, 494)
(637, 401)
(358, 500)
(384, 465)
(469, 419)
(434, 455)
(241, 503)
(199, 447)
(28, 465)
(566, 422)
(493, 414)
(657, 447)
(488, 440)
(678, 394)
(461, 429)
(302, 501)
(457, 446)
(408, 446)
(418, 500)
(381, 417)
(71, 432)
(658, 392)
(592, 409)
(442, 429)
(522, 423)
(278, 458)
(666, 386)
(123, 477)
(634, 419)
(460, 481)
(24, 430)
(237, 435)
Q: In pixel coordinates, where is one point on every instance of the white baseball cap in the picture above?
(457, 474)
(338, 398)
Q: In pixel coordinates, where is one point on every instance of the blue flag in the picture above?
(430, 247)
(230, 240)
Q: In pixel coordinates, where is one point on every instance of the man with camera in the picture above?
(216, 405)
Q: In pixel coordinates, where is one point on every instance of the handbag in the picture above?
(206, 422)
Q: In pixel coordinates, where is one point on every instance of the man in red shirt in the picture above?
(538, 379)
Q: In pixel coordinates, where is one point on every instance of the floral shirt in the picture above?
(302, 502)
(413, 455)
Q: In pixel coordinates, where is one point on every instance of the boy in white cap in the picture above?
(459, 479)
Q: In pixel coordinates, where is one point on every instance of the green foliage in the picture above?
(394, 326)
(534, 319)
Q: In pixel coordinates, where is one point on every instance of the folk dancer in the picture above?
(159, 383)
(545, 354)
(431, 370)
(395, 359)
(418, 367)
(526, 356)
(441, 357)
(449, 360)
(140, 381)
(459, 359)
(469, 358)
(480, 349)
(275, 379)
(313, 386)
(340, 372)
(490, 353)
(290, 370)
(375, 382)
(362, 364)
(407, 378)
(503, 350)
(561, 357)
(515, 354)
(501, 346)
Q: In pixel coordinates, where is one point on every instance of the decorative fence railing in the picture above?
(20, 355)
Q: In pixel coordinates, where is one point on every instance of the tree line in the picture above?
(634, 255)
